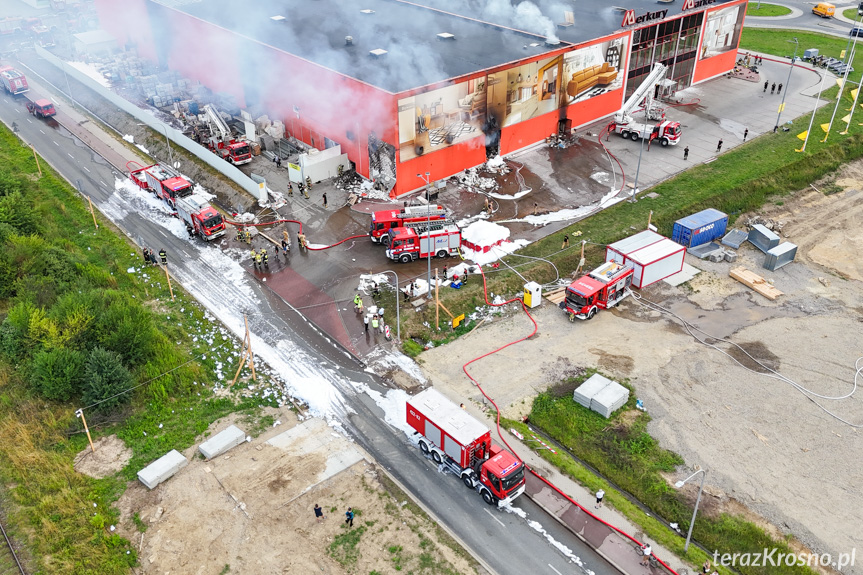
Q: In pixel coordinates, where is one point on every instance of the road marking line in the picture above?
(85, 169)
(70, 155)
(56, 144)
(43, 133)
(29, 120)
(495, 518)
(552, 568)
(103, 183)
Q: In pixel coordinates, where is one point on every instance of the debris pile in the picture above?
(471, 179)
(766, 222)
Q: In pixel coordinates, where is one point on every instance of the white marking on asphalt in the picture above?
(43, 133)
(70, 155)
(56, 144)
(103, 183)
(549, 566)
(85, 169)
(163, 233)
(495, 518)
(29, 120)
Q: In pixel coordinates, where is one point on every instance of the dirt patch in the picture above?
(619, 365)
(111, 456)
(755, 355)
(252, 509)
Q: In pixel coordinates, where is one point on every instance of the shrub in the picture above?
(104, 377)
(14, 342)
(412, 348)
(57, 373)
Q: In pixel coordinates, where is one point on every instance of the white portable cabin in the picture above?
(653, 257)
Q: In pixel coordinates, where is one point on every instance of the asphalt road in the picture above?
(505, 542)
(803, 19)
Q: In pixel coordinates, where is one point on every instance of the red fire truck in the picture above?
(409, 216)
(237, 153)
(13, 81)
(407, 245)
(162, 180)
(200, 217)
(41, 108)
(602, 288)
(451, 437)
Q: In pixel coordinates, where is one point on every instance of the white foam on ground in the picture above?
(494, 254)
(536, 526)
(572, 213)
(129, 138)
(91, 72)
(517, 195)
(388, 359)
(483, 233)
(366, 281)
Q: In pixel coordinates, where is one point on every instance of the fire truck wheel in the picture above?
(624, 134)
(591, 313)
(405, 258)
(664, 142)
(442, 254)
(467, 481)
(424, 447)
(436, 457)
(385, 240)
(634, 136)
(487, 496)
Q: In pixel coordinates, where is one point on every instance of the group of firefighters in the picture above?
(150, 257)
(260, 258)
(375, 319)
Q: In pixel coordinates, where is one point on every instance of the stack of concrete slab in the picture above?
(762, 238)
(735, 238)
(222, 442)
(162, 469)
(612, 397)
(585, 392)
(601, 395)
(779, 256)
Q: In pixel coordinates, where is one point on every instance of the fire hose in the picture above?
(300, 231)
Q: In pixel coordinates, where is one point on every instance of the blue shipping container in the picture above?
(700, 228)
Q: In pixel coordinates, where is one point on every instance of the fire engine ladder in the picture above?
(424, 225)
(644, 90)
(420, 212)
(218, 127)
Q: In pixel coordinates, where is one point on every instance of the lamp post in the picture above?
(398, 319)
(680, 484)
(842, 88)
(637, 171)
(167, 141)
(787, 82)
(428, 225)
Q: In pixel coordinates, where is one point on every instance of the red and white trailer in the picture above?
(451, 437)
(653, 257)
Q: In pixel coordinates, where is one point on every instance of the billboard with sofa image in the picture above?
(439, 118)
(524, 92)
(722, 31)
(593, 70)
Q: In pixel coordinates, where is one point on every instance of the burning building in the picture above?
(432, 86)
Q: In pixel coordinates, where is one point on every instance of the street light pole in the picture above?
(167, 141)
(637, 171)
(787, 82)
(428, 226)
(398, 318)
(680, 484)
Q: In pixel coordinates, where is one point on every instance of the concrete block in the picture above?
(730, 256)
(162, 469)
(222, 442)
(717, 256)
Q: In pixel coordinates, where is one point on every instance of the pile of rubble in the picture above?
(497, 165)
(774, 225)
(471, 179)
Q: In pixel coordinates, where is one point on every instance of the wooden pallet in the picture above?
(755, 282)
(556, 296)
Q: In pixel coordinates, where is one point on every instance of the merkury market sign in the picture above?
(630, 19)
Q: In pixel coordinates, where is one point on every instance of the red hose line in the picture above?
(337, 243)
(606, 523)
(300, 224)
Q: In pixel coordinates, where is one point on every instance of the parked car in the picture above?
(856, 32)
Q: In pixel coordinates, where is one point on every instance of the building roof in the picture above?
(414, 35)
(94, 37)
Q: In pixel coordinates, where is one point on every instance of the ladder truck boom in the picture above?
(643, 90)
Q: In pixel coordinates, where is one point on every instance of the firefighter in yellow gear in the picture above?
(301, 237)
(239, 234)
(258, 259)
(248, 236)
(265, 257)
(308, 183)
(254, 257)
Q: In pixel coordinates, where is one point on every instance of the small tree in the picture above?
(105, 376)
(57, 373)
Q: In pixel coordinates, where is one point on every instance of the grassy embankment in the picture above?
(67, 302)
(740, 180)
(766, 10)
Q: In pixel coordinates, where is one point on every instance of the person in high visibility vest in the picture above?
(375, 322)
(239, 234)
(248, 236)
(265, 257)
(258, 260)
(254, 257)
(358, 303)
(164, 256)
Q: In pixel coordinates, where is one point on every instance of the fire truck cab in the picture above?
(602, 288)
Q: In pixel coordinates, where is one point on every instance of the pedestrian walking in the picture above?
(646, 551)
(366, 322)
(773, 88)
(487, 206)
(349, 517)
(290, 189)
(285, 247)
(779, 89)
(535, 208)
(565, 243)
(163, 255)
(765, 85)
(319, 513)
(745, 133)
(445, 271)
(686, 153)
(719, 146)
(278, 162)
(325, 199)
(264, 257)
(599, 495)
